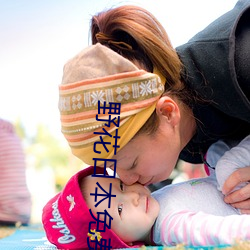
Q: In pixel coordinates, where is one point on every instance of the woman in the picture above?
(206, 94)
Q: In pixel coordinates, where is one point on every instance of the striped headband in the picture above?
(99, 75)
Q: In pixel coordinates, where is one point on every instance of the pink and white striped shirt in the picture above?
(15, 200)
(194, 212)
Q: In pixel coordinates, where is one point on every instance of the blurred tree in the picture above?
(20, 130)
(45, 150)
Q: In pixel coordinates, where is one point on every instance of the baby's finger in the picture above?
(237, 177)
(240, 195)
(245, 211)
(244, 206)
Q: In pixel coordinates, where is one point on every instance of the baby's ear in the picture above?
(168, 109)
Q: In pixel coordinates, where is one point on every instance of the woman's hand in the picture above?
(241, 197)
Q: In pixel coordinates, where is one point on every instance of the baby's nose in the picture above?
(133, 197)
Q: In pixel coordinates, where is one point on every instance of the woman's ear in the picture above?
(168, 109)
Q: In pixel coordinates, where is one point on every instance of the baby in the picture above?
(70, 217)
(93, 211)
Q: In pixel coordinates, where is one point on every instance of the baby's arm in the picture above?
(201, 229)
(237, 157)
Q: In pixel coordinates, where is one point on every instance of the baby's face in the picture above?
(133, 209)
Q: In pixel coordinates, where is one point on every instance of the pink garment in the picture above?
(15, 200)
(202, 229)
(194, 212)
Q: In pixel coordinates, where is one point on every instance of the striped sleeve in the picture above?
(201, 229)
(15, 200)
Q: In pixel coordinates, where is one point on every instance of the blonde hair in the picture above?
(136, 34)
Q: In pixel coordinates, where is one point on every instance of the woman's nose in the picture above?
(126, 177)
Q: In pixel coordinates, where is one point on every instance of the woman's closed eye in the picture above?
(120, 206)
(121, 186)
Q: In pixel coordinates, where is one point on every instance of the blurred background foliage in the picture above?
(44, 150)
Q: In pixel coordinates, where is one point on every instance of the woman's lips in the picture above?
(148, 183)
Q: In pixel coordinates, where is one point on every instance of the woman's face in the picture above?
(149, 159)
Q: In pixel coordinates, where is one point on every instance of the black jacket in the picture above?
(217, 66)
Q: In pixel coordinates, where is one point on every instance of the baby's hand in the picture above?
(240, 198)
